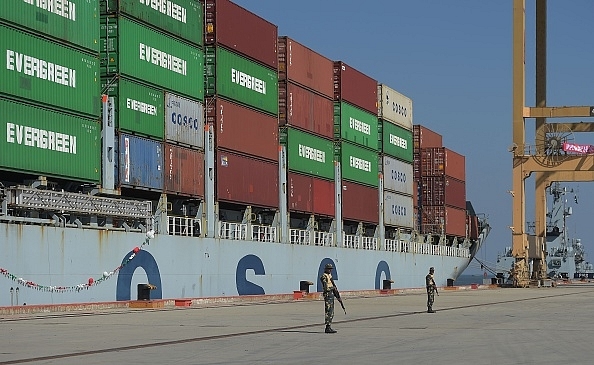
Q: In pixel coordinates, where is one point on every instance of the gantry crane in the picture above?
(545, 157)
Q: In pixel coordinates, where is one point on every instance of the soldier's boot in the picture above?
(430, 310)
(329, 329)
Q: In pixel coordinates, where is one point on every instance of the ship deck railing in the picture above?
(425, 248)
(263, 233)
(233, 231)
(184, 226)
(360, 242)
(245, 232)
(310, 238)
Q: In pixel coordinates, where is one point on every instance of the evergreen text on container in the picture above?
(40, 68)
(63, 8)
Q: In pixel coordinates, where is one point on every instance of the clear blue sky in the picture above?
(454, 60)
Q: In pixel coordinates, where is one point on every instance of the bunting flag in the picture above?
(76, 288)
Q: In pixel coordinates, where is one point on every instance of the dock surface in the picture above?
(485, 326)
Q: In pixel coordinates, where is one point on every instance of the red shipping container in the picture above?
(307, 194)
(184, 171)
(324, 193)
(424, 137)
(355, 87)
(443, 190)
(305, 67)
(437, 161)
(241, 129)
(435, 218)
(240, 30)
(246, 180)
(300, 193)
(360, 203)
(301, 108)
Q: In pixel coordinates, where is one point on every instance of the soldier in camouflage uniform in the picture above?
(328, 291)
(431, 289)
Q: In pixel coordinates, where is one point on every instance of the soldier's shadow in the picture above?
(302, 331)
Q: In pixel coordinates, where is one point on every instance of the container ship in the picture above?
(186, 146)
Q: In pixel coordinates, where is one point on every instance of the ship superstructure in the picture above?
(565, 255)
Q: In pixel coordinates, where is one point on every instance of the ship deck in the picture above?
(491, 326)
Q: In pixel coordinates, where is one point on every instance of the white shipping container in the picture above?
(398, 175)
(398, 210)
(184, 121)
(394, 107)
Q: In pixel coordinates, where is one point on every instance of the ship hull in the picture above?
(55, 265)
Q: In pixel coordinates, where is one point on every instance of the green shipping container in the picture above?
(355, 125)
(132, 49)
(75, 22)
(181, 18)
(396, 141)
(43, 142)
(139, 109)
(237, 78)
(46, 72)
(358, 164)
(308, 154)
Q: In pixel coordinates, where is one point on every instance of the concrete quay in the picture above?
(488, 326)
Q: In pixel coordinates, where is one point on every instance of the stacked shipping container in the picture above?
(306, 120)
(49, 94)
(356, 141)
(158, 63)
(151, 63)
(395, 122)
(36, 140)
(423, 137)
(312, 157)
(73, 24)
(442, 198)
(242, 90)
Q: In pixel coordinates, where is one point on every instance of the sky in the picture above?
(454, 60)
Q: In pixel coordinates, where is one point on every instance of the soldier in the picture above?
(431, 289)
(328, 291)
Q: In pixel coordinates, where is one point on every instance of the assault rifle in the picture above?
(337, 296)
